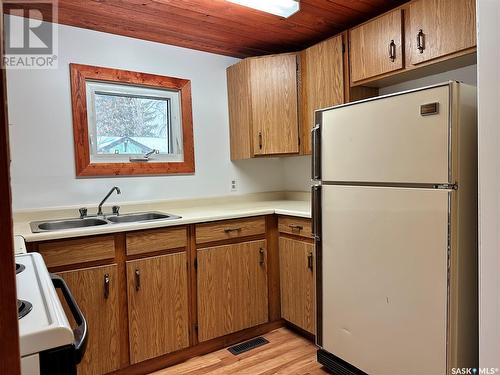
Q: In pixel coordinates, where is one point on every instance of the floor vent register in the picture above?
(248, 345)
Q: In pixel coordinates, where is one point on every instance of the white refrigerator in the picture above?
(395, 224)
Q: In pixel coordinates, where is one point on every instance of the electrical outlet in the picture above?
(234, 185)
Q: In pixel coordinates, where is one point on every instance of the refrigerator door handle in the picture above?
(316, 211)
(316, 234)
(316, 152)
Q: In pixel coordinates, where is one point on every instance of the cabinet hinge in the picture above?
(196, 264)
(297, 67)
(196, 328)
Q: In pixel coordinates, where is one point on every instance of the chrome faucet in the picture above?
(99, 208)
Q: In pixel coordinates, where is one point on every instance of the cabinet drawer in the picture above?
(156, 240)
(295, 225)
(227, 229)
(75, 251)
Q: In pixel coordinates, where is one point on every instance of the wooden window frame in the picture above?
(84, 167)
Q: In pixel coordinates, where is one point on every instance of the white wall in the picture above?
(466, 75)
(489, 181)
(43, 172)
(297, 173)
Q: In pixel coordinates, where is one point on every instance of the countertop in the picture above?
(191, 211)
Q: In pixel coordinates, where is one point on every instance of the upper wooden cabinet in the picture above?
(274, 104)
(322, 82)
(376, 47)
(436, 28)
(157, 305)
(262, 98)
(437, 34)
(232, 288)
(96, 291)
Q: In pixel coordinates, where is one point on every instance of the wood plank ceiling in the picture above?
(219, 26)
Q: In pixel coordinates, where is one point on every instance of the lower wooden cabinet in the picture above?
(297, 283)
(96, 291)
(157, 306)
(150, 294)
(232, 288)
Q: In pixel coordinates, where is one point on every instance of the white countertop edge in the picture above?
(189, 217)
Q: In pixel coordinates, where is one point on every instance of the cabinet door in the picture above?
(232, 288)
(297, 283)
(240, 114)
(273, 81)
(157, 306)
(376, 47)
(96, 292)
(322, 74)
(439, 28)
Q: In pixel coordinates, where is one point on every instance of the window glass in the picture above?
(131, 125)
(130, 121)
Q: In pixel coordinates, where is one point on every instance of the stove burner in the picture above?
(19, 268)
(23, 308)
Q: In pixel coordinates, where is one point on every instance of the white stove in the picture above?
(19, 245)
(48, 344)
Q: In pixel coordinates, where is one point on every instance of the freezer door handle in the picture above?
(316, 152)
(316, 211)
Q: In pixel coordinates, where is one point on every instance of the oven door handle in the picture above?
(80, 332)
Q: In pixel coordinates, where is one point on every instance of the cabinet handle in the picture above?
(310, 261)
(106, 286)
(295, 227)
(421, 41)
(260, 140)
(137, 279)
(261, 254)
(316, 211)
(392, 50)
(229, 230)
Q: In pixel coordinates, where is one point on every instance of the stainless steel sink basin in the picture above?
(143, 216)
(42, 226)
(53, 225)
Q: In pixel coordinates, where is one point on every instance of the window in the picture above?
(128, 123)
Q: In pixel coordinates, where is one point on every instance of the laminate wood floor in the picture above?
(286, 354)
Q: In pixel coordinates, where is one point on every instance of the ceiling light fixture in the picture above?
(282, 8)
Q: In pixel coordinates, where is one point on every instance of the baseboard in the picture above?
(300, 331)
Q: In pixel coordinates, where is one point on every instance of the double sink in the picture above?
(53, 225)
